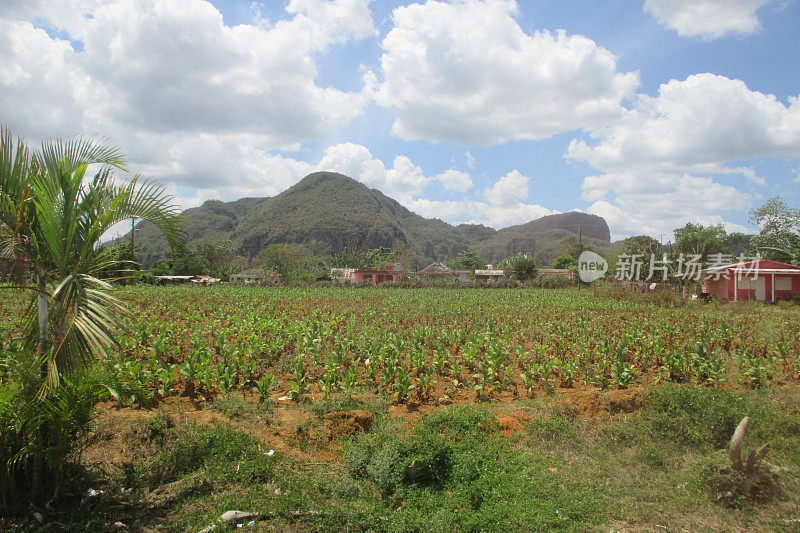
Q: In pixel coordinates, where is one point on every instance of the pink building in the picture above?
(762, 280)
(385, 274)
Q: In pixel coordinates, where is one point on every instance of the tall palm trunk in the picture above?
(41, 300)
(38, 473)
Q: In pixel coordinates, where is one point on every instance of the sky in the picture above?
(649, 113)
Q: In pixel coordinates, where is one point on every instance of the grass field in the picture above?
(438, 410)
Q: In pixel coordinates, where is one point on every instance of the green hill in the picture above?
(328, 212)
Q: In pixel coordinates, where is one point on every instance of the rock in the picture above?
(229, 516)
(118, 526)
(445, 400)
(345, 422)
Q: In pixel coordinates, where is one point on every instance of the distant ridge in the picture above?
(328, 212)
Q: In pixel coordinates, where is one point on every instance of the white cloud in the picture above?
(477, 212)
(661, 160)
(797, 177)
(503, 205)
(466, 72)
(41, 86)
(402, 181)
(159, 67)
(708, 19)
(657, 203)
(455, 180)
(469, 159)
(696, 125)
(508, 190)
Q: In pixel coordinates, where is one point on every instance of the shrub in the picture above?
(694, 416)
(521, 267)
(41, 435)
(189, 448)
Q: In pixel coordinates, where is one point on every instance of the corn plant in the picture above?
(755, 370)
(402, 386)
(264, 385)
(298, 386)
(707, 366)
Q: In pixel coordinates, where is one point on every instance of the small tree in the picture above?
(565, 261)
(467, 260)
(522, 266)
(779, 238)
(52, 216)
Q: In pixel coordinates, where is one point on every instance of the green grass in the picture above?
(455, 472)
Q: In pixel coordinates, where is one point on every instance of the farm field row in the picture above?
(422, 345)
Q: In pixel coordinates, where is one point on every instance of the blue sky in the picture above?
(650, 113)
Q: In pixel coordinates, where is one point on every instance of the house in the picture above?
(205, 280)
(256, 276)
(342, 275)
(173, 280)
(385, 274)
(437, 271)
(563, 272)
(489, 275)
(762, 280)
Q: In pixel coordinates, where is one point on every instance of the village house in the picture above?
(256, 276)
(385, 274)
(762, 280)
(440, 271)
(563, 272)
(490, 275)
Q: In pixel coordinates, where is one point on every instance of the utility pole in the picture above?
(133, 238)
(580, 249)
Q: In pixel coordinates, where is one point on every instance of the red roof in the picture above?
(761, 264)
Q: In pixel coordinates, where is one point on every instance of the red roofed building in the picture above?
(762, 280)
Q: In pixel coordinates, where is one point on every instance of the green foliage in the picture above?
(454, 474)
(694, 416)
(41, 436)
(467, 260)
(188, 448)
(779, 235)
(565, 261)
(696, 239)
(644, 246)
(522, 267)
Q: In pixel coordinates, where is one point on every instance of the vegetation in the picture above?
(779, 238)
(52, 216)
(332, 349)
(521, 267)
(328, 213)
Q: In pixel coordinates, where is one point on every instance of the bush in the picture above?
(189, 448)
(694, 416)
(465, 477)
(521, 267)
(41, 435)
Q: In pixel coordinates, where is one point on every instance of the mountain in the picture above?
(542, 236)
(328, 212)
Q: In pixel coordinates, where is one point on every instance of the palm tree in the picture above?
(52, 216)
